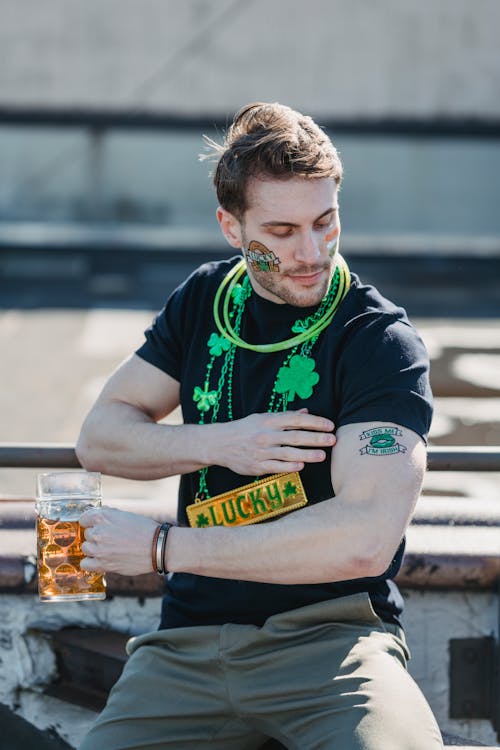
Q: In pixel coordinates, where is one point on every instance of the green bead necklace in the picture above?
(303, 334)
(295, 377)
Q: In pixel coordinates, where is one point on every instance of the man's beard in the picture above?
(276, 282)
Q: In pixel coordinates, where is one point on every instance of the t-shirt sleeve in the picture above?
(384, 376)
(163, 345)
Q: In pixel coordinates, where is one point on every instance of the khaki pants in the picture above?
(330, 676)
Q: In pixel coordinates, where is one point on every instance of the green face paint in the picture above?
(260, 258)
(332, 241)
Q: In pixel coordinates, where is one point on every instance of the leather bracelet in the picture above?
(161, 544)
(153, 548)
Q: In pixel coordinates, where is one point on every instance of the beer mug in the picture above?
(61, 499)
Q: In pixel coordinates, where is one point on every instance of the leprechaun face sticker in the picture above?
(260, 258)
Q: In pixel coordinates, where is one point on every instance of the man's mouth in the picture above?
(307, 277)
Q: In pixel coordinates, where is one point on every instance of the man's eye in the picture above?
(282, 232)
(322, 227)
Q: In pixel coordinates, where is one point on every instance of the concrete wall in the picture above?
(393, 187)
(417, 58)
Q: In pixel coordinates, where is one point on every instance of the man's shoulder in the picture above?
(368, 319)
(366, 299)
(202, 283)
(213, 270)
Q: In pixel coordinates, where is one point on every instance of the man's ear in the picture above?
(230, 227)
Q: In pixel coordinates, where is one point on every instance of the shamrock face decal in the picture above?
(297, 378)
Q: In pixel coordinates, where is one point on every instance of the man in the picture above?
(280, 618)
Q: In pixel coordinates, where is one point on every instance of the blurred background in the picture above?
(105, 207)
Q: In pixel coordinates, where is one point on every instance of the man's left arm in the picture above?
(377, 471)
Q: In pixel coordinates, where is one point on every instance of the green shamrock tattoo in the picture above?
(217, 344)
(297, 378)
(204, 399)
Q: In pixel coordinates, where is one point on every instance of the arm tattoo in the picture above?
(382, 442)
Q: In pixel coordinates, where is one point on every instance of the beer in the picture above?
(59, 556)
(60, 537)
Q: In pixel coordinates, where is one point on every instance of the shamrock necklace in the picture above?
(295, 377)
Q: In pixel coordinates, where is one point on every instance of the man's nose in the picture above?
(308, 247)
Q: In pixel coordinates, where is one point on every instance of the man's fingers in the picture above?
(284, 459)
(91, 565)
(90, 517)
(302, 420)
(88, 548)
(297, 455)
(306, 438)
(280, 467)
(295, 438)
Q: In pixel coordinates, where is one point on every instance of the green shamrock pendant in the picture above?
(239, 294)
(302, 325)
(297, 378)
(204, 399)
(217, 345)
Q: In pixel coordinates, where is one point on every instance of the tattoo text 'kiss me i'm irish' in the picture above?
(382, 441)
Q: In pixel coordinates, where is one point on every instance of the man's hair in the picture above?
(269, 140)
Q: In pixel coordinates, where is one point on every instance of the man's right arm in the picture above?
(121, 435)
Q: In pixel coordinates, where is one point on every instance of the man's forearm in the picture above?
(326, 542)
(120, 440)
(322, 543)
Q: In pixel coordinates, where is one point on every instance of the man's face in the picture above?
(289, 235)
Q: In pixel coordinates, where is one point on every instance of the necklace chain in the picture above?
(296, 374)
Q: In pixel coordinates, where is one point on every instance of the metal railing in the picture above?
(38, 456)
(63, 456)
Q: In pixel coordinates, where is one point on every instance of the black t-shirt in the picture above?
(372, 366)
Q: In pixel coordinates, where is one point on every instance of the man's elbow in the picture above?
(372, 561)
(89, 459)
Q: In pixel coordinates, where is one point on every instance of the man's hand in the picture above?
(271, 443)
(117, 541)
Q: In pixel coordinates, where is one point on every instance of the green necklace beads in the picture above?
(295, 377)
(304, 334)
